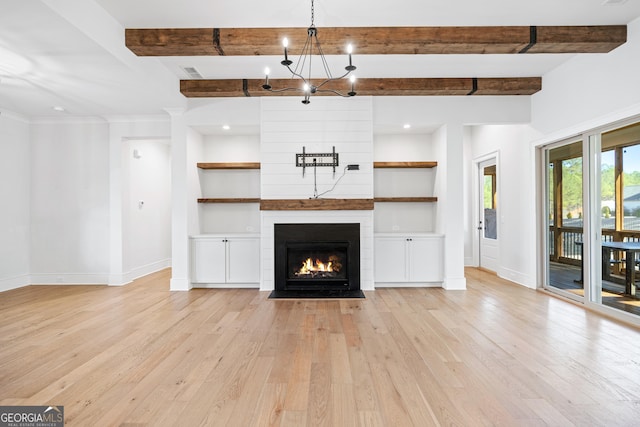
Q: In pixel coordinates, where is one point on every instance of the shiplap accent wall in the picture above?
(286, 127)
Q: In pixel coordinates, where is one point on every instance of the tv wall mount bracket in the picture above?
(304, 160)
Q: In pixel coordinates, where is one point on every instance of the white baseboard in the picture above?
(130, 276)
(408, 285)
(226, 285)
(69, 279)
(517, 277)
(14, 282)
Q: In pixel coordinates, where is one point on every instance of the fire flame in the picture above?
(309, 266)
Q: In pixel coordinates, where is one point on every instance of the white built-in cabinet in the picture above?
(221, 259)
(406, 251)
(410, 258)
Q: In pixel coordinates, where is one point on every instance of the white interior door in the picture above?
(488, 214)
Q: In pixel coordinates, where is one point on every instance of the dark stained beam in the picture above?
(378, 40)
(369, 87)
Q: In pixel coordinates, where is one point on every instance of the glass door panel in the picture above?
(620, 206)
(564, 219)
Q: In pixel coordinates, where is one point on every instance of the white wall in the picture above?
(584, 91)
(231, 148)
(147, 234)
(470, 223)
(14, 192)
(516, 201)
(195, 146)
(70, 202)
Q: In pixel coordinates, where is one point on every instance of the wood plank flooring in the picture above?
(496, 354)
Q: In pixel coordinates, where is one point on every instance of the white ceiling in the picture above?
(71, 53)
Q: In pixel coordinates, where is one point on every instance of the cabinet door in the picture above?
(209, 260)
(243, 260)
(425, 259)
(390, 259)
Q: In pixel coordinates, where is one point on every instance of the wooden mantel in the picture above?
(316, 204)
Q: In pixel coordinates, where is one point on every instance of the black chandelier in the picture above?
(311, 47)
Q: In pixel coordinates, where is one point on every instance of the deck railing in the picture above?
(571, 253)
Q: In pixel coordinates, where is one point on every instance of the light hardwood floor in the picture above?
(496, 354)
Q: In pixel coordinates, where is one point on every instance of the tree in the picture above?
(572, 184)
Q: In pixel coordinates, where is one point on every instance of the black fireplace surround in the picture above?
(317, 261)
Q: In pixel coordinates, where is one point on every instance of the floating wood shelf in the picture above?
(406, 199)
(316, 204)
(236, 165)
(229, 200)
(383, 165)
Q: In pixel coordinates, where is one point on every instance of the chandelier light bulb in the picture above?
(350, 67)
(285, 43)
(266, 85)
(352, 79)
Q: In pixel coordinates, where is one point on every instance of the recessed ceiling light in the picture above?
(407, 126)
(613, 2)
(59, 109)
(226, 127)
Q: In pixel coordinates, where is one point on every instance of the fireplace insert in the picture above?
(317, 260)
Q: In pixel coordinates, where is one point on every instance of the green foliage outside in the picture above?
(572, 186)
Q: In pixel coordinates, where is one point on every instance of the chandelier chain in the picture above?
(312, 13)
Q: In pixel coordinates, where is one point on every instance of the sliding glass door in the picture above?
(592, 218)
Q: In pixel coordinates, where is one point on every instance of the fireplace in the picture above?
(317, 260)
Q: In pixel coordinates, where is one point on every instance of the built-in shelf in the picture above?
(388, 165)
(230, 200)
(406, 199)
(234, 165)
(405, 165)
(316, 204)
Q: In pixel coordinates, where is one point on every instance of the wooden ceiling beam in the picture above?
(368, 87)
(378, 40)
